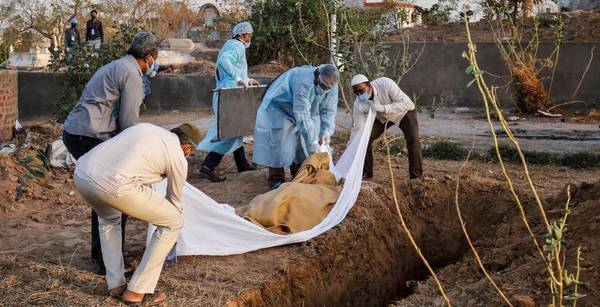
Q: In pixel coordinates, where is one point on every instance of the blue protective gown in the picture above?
(291, 117)
(231, 68)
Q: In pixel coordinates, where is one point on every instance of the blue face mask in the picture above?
(319, 91)
(151, 68)
(364, 97)
(155, 68)
(247, 45)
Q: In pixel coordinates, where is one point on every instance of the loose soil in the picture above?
(207, 67)
(580, 26)
(364, 261)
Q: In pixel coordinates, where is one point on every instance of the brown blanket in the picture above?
(298, 205)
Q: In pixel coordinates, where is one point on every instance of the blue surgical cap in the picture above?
(329, 74)
(242, 28)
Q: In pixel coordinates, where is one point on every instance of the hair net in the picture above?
(329, 74)
(143, 45)
(242, 28)
(73, 20)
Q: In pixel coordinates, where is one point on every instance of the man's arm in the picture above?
(132, 96)
(176, 177)
(226, 63)
(400, 102)
(328, 109)
(359, 115)
(101, 31)
(301, 108)
(87, 31)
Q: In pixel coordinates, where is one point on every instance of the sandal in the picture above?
(117, 292)
(148, 300)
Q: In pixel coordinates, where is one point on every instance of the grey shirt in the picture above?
(110, 101)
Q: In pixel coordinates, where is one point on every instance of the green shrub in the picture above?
(80, 66)
(580, 160)
(446, 150)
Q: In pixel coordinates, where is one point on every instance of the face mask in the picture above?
(318, 90)
(154, 70)
(150, 68)
(364, 97)
(247, 45)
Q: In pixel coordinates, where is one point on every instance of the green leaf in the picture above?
(471, 83)
(469, 69)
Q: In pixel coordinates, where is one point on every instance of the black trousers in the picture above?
(410, 129)
(79, 146)
(277, 174)
(213, 159)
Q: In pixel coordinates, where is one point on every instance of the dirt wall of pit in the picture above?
(367, 260)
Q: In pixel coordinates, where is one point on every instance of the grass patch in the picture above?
(574, 160)
(445, 150)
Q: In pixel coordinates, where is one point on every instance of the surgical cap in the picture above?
(329, 74)
(242, 28)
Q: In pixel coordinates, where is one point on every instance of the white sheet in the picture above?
(214, 229)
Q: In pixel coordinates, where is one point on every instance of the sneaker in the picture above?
(211, 175)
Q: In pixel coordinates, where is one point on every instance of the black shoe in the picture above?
(101, 270)
(211, 175)
(276, 185)
(248, 167)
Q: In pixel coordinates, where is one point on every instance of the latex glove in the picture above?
(253, 82)
(242, 83)
(314, 148)
(379, 108)
(325, 139)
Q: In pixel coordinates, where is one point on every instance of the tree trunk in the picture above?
(515, 9)
(527, 8)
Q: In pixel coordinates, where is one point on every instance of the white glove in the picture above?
(253, 82)
(325, 139)
(314, 148)
(379, 108)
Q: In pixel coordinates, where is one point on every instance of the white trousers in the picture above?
(144, 204)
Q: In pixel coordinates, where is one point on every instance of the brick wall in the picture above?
(8, 104)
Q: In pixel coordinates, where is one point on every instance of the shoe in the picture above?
(211, 175)
(276, 185)
(249, 167)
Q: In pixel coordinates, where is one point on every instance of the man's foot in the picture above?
(118, 291)
(132, 298)
(211, 175)
(248, 167)
(276, 185)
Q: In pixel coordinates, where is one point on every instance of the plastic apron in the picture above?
(231, 67)
(278, 139)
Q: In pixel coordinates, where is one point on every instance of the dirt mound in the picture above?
(580, 26)
(203, 67)
(25, 174)
(509, 255)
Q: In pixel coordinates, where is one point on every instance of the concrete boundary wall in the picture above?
(438, 75)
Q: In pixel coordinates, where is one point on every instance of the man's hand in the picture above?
(253, 82)
(314, 148)
(379, 108)
(242, 83)
(325, 139)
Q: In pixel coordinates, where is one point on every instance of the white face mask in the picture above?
(247, 45)
(150, 68)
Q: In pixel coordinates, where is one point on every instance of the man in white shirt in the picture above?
(114, 177)
(393, 107)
